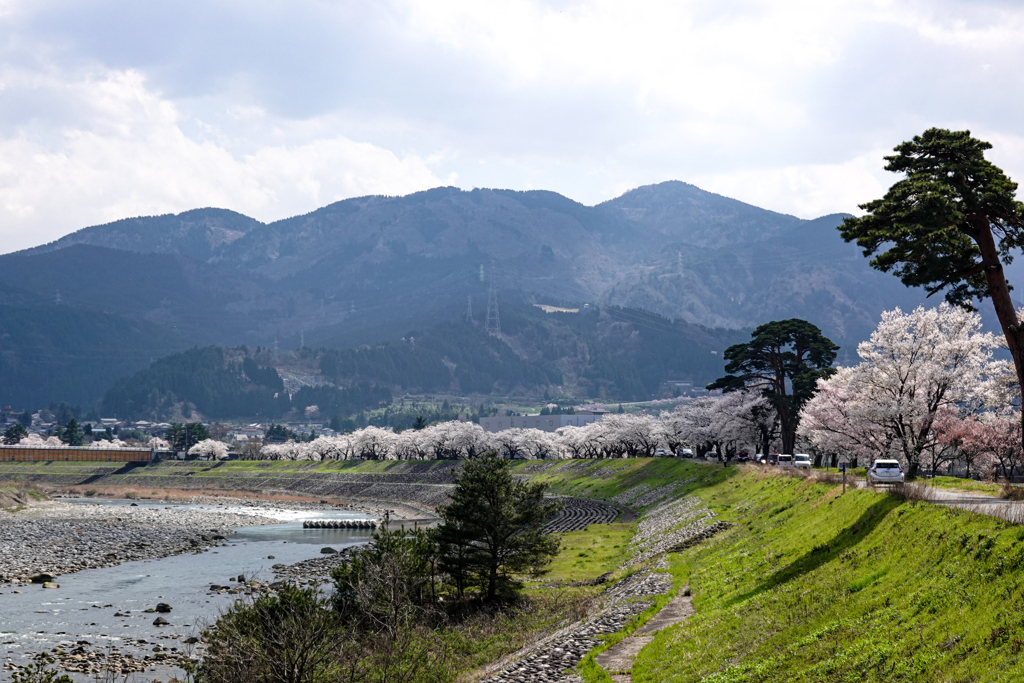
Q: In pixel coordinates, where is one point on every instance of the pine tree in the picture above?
(493, 528)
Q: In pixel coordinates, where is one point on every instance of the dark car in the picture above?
(773, 458)
(743, 457)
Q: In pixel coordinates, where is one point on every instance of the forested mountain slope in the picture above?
(612, 353)
(373, 268)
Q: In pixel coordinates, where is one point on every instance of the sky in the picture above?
(119, 108)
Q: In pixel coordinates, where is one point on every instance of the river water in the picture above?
(84, 607)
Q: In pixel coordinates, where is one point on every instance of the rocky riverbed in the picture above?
(58, 537)
(48, 539)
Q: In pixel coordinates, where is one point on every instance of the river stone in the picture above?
(328, 551)
(41, 577)
(51, 584)
(160, 621)
(163, 607)
(271, 557)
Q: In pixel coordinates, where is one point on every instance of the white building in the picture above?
(546, 423)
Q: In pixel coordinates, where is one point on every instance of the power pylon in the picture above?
(469, 308)
(493, 321)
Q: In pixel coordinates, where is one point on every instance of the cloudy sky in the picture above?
(120, 108)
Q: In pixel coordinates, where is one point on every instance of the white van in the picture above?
(785, 460)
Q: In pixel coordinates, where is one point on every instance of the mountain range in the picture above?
(106, 300)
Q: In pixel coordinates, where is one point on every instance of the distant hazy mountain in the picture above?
(372, 268)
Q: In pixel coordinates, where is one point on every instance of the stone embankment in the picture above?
(548, 660)
(420, 486)
(60, 538)
(579, 513)
(666, 528)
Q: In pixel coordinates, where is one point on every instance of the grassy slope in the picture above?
(813, 586)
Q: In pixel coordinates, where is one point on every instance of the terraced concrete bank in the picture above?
(673, 525)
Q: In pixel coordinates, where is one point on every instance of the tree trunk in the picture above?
(1000, 294)
(788, 433)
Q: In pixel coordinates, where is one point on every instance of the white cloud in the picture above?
(113, 107)
(130, 156)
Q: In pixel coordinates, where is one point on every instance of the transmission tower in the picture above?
(469, 308)
(493, 321)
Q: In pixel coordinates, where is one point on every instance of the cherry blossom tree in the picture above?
(535, 443)
(37, 441)
(838, 421)
(209, 448)
(914, 365)
(988, 440)
(330, 448)
(158, 444)
(372, 443)
(696, 423)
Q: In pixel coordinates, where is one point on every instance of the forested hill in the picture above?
(611, 353)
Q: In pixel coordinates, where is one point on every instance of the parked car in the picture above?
(785, 460)
(885, 472)
(802, 460)
(773, 459)
(742, 457)
(685, 453)
(660, 453)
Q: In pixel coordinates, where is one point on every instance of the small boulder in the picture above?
(192, 640)
(328, 551)
(160, 621)
(271, 557)
(41, 577)
(51, 584)
(163, 607)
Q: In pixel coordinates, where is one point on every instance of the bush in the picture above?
(38, 673)
(1011, 492)
(294, 637)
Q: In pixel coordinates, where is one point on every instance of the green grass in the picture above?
(963, 485)
(813, 586)
(605, 479)
(587, 554)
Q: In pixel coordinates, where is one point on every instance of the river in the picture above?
(105, 606)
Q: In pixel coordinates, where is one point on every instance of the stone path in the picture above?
(618, 659)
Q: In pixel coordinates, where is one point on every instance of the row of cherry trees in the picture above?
(725, 424)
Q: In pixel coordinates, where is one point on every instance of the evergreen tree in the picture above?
(493, 527)
(950, 223)
(15, 433)
(783, 360)
(73, 435)
(182, 437)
